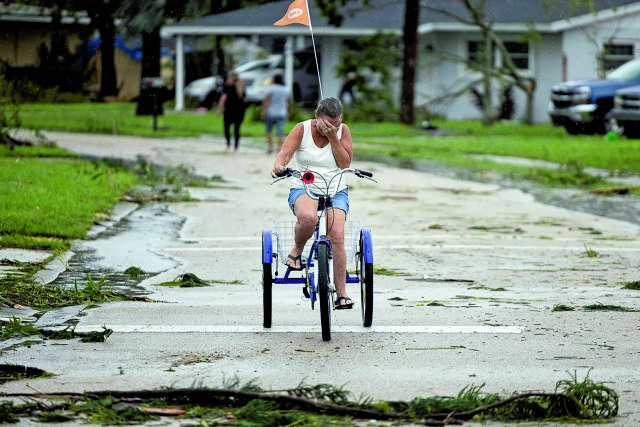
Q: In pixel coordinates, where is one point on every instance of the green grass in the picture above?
(45, 202)
(460, 147)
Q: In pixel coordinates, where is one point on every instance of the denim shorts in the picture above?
(340, 200)
(278, 122)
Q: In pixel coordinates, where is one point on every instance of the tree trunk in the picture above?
(101, 15)
(530, 91)
(487, 114)
(108, 83)
(410, 42)
(151, 53)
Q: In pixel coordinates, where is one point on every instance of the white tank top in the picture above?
(319, 160)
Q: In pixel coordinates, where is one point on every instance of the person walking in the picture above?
(275, 111)
(323, 145)
(232, 101)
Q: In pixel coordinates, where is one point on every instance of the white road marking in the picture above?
(429, 246)
(408, 329)
(405, 237)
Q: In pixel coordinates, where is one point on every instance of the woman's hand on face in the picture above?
(326, 128)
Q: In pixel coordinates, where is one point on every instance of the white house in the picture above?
(569, 44)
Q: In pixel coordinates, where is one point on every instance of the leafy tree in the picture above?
(370, 57)
(332, 11)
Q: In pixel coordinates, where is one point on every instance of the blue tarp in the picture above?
(87, 50)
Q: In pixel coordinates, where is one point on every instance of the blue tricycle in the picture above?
(316, 275)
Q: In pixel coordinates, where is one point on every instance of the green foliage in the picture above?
(591, 253)
(459, 144)
(109, 410)
(134, 272)
(268, 413)
(369, 58)
(9, 109)
(24, 291)
(187, 280)
(571, 174)
(606, 307)
(250, 405)
(9, 411)
(97, 336)
(468, 398)
(15, 327)
(328, 392)
(36, 198)
(562, 307)
(635, 285)
(592, 400)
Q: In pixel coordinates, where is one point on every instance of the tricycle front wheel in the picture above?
(365, 276)
(267, 278)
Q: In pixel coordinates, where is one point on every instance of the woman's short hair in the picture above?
(277, 79)
(331, 107)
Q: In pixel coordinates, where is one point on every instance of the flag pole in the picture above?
(315, 53)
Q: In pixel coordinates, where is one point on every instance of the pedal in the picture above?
(305, 291)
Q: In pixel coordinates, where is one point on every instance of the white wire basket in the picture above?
(283, 233)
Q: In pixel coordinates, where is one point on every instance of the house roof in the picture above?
(14, 12)
(388, 16)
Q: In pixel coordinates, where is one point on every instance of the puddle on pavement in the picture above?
(624, 208)
(132, 242)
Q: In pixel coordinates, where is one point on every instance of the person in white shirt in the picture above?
(323, 145)
(275, 111)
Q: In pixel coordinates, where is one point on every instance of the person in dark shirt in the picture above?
(232, 100)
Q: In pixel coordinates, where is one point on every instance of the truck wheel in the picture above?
(572, 128)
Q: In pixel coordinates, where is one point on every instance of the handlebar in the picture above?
(287, 172)
(308, 177)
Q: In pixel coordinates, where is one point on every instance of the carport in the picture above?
(258, 21)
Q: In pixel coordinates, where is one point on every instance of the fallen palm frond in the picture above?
(187, 280)
(572, 400)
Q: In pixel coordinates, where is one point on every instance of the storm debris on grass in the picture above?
(573, 400)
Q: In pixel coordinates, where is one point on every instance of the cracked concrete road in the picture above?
(477, 271)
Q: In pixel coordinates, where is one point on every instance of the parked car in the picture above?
(200, 88)
(625, 114)
(582, 106)
(306, 88)
(207, 91)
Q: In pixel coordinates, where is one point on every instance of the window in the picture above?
(616, 54)
(476, 52)
(519, 54)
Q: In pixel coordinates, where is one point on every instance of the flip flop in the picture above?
(295, 259)
(346, 305)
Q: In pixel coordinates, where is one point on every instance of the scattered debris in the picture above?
(97, 336)
(187, 280)
(10, 372)
(572, 400)
(134, 272)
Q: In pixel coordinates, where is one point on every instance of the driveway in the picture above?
(472, 274)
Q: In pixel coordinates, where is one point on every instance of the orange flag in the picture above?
(296, 14)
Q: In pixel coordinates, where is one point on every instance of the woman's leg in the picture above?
(227, 129)
(335, 232)
(306, 210)
(238, 122)
(236, 132)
